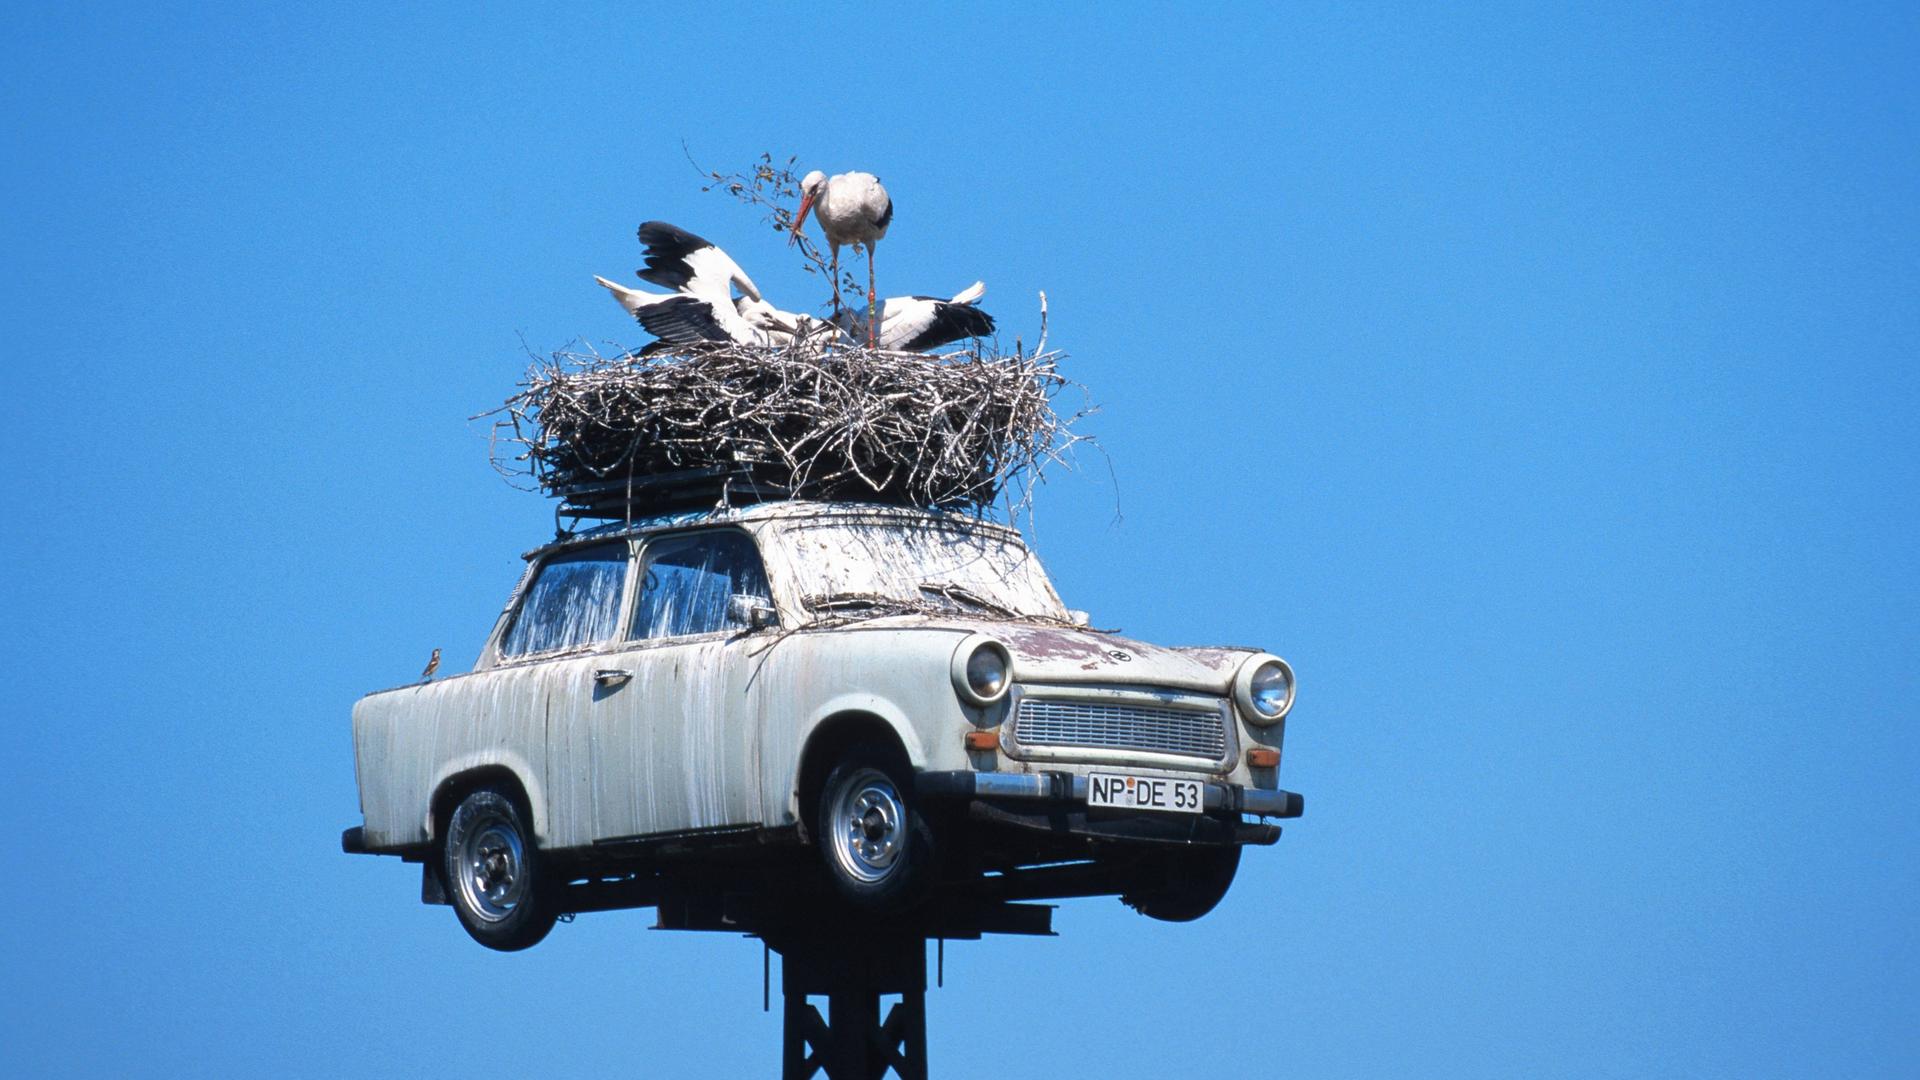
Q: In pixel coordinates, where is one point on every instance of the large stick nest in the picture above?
(826, 422)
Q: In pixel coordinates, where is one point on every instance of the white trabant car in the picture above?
(899, 690)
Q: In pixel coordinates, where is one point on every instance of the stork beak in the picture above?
(806, 204)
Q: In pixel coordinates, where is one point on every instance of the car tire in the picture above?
(876, 845)
(493, 873)
(1184, 886)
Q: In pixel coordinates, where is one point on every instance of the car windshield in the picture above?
(574, 601)
(848, 565)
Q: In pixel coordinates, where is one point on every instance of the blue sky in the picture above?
(1539, 381)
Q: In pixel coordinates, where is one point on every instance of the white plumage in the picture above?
(783, 327)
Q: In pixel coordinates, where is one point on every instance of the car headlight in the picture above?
(1263, 689)
(982, 670)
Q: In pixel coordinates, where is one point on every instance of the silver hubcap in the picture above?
(492, 868)
(868, 826)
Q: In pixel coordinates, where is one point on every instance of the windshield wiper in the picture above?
(961, 594)
(847, 600)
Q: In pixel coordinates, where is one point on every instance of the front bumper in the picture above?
(1070, 788)
(1056, 802)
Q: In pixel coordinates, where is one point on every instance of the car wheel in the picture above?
(877, 846)
(492, 872)
(1184, 886)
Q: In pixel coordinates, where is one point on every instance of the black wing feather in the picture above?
(886, 216)
(667, 249)
(682, 320)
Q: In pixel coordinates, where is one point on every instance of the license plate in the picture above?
(1114, 792)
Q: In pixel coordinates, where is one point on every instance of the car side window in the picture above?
(574, 600)
(689, 580)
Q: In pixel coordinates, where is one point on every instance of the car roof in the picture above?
(776, 510)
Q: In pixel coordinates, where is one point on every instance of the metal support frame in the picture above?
(854, 961)
(853, 1040)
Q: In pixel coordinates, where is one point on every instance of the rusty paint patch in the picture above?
(1047, 643)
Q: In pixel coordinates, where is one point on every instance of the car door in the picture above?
(669, 729)
(573, 603)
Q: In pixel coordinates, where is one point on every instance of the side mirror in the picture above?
(1078, 617)
(752, 612)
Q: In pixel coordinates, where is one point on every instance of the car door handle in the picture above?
(612, 677)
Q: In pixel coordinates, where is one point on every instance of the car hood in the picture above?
(1049, 654)
(1057, 653)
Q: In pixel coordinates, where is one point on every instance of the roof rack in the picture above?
(626, 498)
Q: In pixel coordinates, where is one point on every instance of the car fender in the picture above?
(493, 758)
(885, 710)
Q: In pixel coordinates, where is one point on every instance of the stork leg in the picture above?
(871, 298)
(835, 274)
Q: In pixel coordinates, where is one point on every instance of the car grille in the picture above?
(1152, 728)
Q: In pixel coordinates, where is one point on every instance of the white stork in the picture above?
(853, 209)
(919, 323)
(701, 307)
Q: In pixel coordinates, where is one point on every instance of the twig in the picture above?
(775, 188)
